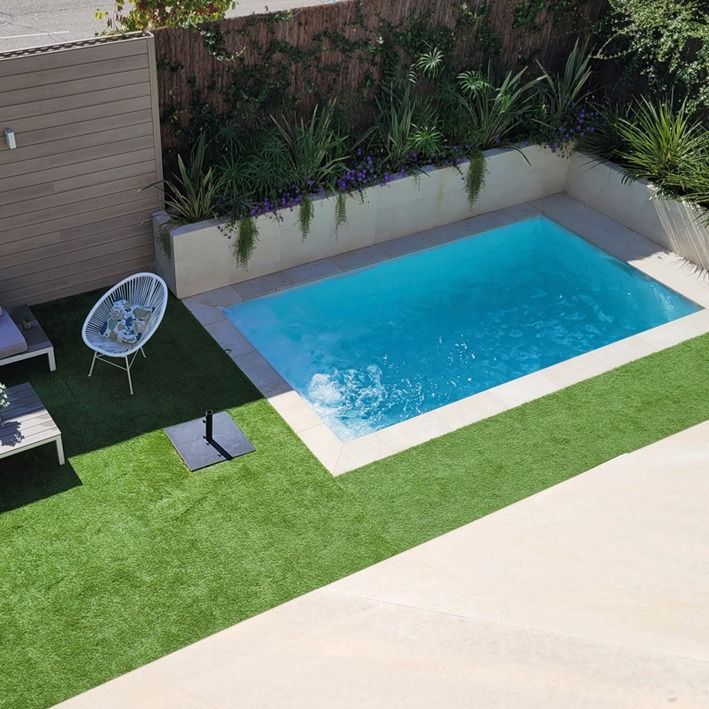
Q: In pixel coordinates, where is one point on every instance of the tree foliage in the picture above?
(664, 41)
(148, 14)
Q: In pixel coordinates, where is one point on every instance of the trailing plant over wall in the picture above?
(340, 209)
(306, 213)
(475, 176)
(246, 240)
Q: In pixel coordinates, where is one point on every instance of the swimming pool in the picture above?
(383, 344)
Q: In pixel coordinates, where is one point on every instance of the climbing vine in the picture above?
(277, 76)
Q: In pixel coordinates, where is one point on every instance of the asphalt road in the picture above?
(33, 23)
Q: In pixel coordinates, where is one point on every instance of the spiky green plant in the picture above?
(313, 150)
(430, 63)
(406, 125)
(604, 140)
(561, 94)
(472, 82)
(661, 142)
(192, 194)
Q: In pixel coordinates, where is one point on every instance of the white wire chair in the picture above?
(145, 290)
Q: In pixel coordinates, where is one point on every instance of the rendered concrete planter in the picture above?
(673, 224)
(201, 257)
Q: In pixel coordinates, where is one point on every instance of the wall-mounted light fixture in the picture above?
(10, 138)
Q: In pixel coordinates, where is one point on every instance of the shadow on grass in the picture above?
(185, 373)
(32, 476)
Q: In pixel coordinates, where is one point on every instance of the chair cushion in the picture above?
(126, 323)
(11, 340)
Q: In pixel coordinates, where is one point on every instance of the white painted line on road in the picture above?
(37, 34)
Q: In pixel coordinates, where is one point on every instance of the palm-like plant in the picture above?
(429, 63)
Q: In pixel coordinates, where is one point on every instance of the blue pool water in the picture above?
(385, 343)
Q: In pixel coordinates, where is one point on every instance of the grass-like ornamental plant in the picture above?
(494, 111)
(314, 151)
(561, 111)
(192, 194)
(561, 94)
(603, 140)
(661, 143)
(406, 126)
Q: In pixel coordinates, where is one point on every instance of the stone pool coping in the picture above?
(342, 456)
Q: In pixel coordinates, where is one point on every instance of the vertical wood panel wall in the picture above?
(72, 213)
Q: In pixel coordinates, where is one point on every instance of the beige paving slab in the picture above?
(228, 337)
(312, 271)
(592, 594)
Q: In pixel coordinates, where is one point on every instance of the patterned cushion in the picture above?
(126, 323)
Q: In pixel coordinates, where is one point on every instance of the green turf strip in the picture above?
(123, 556)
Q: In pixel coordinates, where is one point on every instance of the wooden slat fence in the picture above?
(72, 212)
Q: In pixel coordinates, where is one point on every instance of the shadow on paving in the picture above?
(182, 376)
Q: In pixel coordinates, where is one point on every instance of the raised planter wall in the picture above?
(675, 225)
(202, 257)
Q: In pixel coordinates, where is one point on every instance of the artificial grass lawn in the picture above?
(124, 556)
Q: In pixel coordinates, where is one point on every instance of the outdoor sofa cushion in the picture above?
(11, 340)
(126, 323)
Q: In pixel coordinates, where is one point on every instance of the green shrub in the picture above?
(666, 42)
(604, 140)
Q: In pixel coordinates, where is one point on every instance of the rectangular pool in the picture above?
(383, 344)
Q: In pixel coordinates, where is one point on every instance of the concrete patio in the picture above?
(593, 593)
